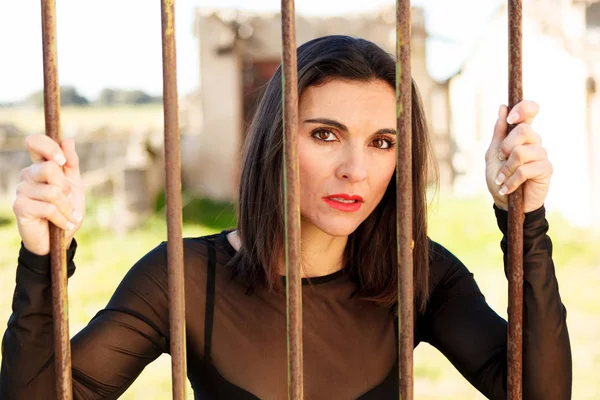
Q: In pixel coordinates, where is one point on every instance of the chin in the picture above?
(337, 226)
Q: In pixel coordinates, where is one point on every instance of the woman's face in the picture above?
(346, 152)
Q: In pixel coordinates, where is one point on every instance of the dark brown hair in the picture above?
(370, 254)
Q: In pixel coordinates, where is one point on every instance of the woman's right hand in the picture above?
(50, 189)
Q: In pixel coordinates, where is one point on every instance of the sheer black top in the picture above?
(236, 341)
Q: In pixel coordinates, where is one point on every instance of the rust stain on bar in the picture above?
(292, 202)
(174, 204)
(404, 198)
(62, 344)
(515, 217)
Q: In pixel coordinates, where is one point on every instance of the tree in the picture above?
(107, 97)
(68, 97)
(110, 97)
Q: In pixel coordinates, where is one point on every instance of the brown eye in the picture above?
(324, 135)
(381, 143)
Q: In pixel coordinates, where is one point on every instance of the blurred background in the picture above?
(110, 70)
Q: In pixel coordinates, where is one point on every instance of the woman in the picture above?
(236, 342)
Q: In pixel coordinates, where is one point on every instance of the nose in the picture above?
(352, 166)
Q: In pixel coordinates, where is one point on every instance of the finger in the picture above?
(72, 163)
(49, 172)
(43, 148)
(520, 155)
(499, 135)
(49, 194)
(525, 111)
(521, 134)
(537, 170)
(24, 207)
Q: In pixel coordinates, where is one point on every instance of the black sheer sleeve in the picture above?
(473, 337)
(107, 355)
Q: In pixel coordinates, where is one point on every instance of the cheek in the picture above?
(312, 166)
(381, 174)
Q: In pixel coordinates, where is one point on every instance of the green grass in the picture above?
(467, 227)
(211, 214)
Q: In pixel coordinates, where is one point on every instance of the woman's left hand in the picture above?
(518, 158)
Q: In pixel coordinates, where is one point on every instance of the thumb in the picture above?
(72, 164)
(500, 129)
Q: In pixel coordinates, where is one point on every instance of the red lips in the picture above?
(344, 202)
(346, 197)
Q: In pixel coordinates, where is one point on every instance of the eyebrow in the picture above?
(342, 127)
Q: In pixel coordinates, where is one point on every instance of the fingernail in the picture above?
(60, 159)
(500, 111)
(500, 179)
(503, 190)
(70, 226)
(77, 217)
(501, 156)
(512, 118)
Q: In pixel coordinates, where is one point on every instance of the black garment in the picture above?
(236, 342)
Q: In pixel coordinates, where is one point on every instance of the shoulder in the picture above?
(197, 253)
(447, 272)
(441, 260)
(208, 246)
(195, 248)
(210, 251)
(144, 291)
(438, 254)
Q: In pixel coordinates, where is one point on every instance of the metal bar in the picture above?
(515, 217)
(404, 198)
(58, 262)
(292, 203)
(174, 204)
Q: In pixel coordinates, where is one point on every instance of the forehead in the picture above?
(344, 98)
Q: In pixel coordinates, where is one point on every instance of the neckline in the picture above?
(315, 280)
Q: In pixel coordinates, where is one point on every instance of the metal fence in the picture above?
(404, 192)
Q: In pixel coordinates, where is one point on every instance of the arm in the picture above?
(473, 337)
(547, 363)
(107, 355)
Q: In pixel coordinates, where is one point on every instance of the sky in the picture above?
(117, 43)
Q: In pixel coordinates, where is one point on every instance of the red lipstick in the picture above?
(344, 202)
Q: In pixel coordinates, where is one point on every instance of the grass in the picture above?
(210, 214)
(467, 227)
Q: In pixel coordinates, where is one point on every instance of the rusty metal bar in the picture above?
(60, 310)
(515, 217)
(404, 198)
(174, 204)
(292, 202)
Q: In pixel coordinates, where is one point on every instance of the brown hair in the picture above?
(370, 254)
